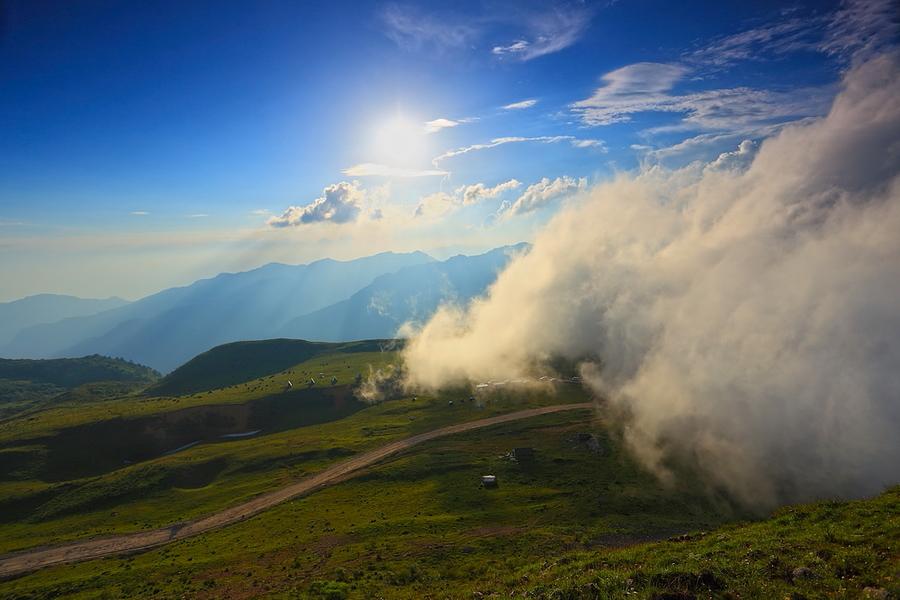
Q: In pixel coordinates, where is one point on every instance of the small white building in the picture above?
(489, 481)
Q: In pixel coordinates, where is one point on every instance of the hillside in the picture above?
(238, 362)
(72, 372)
(19, 315)
(574, 515)
(168, 328)
(27, 384)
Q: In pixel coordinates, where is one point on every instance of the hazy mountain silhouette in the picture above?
(165, 329)
(21, 314)
(409, 295)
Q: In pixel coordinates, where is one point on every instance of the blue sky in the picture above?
(144, 145)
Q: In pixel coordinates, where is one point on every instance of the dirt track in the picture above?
(31, 560)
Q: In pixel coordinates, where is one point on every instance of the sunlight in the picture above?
(399, 140)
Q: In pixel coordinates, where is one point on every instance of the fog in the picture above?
(745, 313)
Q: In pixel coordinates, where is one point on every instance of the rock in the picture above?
(802, 573)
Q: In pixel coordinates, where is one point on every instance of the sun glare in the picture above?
(399, 141)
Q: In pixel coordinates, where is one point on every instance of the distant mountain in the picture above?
(409, 295)
(166, 329)
(21, 314)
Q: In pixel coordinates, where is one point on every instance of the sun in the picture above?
(399, 140)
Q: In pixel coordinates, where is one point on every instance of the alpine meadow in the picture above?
(565, 299)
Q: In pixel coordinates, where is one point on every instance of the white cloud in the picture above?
(438, 124)
(861, 28)
(646, 87)
(541, 194)
(543, 139)
(733, 160)
(520, 105)
(339, 203)
(442, 203)
(779, 37)
(745, 322)
(377, 170)
(589, 143)
(260, 212)
(436, 205)
(546, 32)
(413, 30)
(140, 213)
(858, 28)
(198, 215)
(473, 194)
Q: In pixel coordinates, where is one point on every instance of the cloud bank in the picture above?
(744, 319)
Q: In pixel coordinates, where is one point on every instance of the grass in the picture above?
(344, 367)
(28, 385)
(235, 363)
(420, 526)
(579, 520)
(421, 521)
(44, 501)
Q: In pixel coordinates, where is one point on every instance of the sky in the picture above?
(146, 145)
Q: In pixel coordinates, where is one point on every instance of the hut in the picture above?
(489, 481)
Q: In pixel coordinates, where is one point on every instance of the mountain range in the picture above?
(327, 300)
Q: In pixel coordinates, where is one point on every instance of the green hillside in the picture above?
(27, 385)
(574, 516)
(72, 372)
(238, 362)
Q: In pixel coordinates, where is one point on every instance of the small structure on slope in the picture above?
(489, 481)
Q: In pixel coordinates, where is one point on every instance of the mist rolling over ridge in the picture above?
(401, 299)
(746, 317)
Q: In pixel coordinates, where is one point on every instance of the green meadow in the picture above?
(573, 515)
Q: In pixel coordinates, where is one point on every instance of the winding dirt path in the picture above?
(25, 561)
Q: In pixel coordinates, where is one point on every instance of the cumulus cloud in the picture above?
(522, 104)
(542, 193)
(473, 194)
(735, 159)
(339, 203)
(441, 203)
(742, 322)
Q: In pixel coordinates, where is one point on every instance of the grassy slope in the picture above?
(72, 372)
(421, 520)
(38, 507)
(230, 364)
(344, 367)
(421, 527)
(28, 385)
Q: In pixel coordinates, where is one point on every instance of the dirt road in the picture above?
(31, 560)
